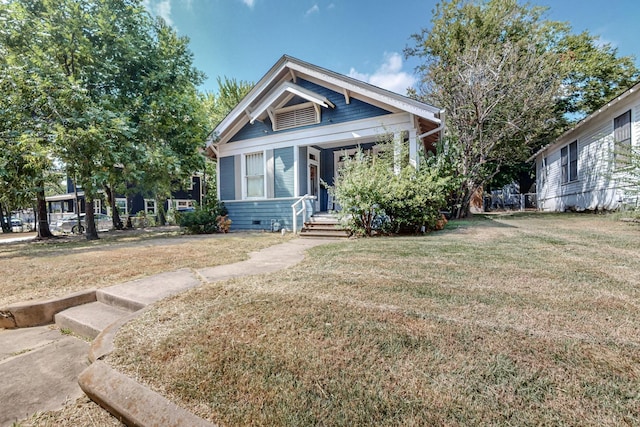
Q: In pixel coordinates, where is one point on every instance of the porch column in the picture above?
(413, 148)
(397, 152)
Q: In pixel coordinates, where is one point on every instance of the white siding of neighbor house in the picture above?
(596, 187)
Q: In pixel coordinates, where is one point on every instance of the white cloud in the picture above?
(249, 3)
(314, 9)
(389, 75)
(160, 8)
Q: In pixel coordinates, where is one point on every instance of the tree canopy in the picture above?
(105, 89)
(510, 80)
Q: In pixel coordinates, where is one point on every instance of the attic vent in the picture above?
(297, 115)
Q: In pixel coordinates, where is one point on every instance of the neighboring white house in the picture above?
(579, 170)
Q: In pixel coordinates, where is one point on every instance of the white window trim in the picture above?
(146, 206)
(126, 205)
(313, 152)
(613, 133)
(243, 173)
(182, 203)
(576, 178)
(97, 206)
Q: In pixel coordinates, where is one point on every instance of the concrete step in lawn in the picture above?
(88, 320)
(115, 302)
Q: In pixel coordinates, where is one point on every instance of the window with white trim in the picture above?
(122, 206)
(569, 162)
(254, 175)
(298, 115)
(97, 206)
(150, 206)
(182, 203)
(622, 139)
(543, 171)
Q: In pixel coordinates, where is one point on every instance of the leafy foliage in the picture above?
(105, 89)
(377, 197)
(510, 81)
(205, 220)
(200, 221)
(230, 93)
(593, 73)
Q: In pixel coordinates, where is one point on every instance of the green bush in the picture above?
(199, 221)
(378, 198)
(203, 220)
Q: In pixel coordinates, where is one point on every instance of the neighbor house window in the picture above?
(254, 174)
(150, 206)
(97, 206)
(543, 170)
(569, 162)
(122, 206)
(622, 139)
(183, 204)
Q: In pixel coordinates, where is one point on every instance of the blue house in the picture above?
(294, 129)
(62, 205)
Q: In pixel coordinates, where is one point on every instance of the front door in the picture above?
(313, 177)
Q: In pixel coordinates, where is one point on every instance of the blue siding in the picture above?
(284, 172)
(257, 215)
(227, 178)
(342, 113)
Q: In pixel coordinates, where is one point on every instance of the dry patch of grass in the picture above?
(526, 320)
(41, 270)
(83, 412)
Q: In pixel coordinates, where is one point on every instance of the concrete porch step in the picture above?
(324, 233)
(323, 224)
(88, 320)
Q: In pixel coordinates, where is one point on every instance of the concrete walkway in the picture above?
(40, 366)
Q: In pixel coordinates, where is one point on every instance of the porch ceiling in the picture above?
(428, 142)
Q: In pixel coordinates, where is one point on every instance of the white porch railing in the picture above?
(302, 206)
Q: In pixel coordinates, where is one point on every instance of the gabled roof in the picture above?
(634, 89)
(278, 86)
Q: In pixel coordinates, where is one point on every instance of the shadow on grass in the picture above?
(65, 244)
(476, 221)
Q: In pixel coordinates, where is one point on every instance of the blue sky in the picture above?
(361, 38)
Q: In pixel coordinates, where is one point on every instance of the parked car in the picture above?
(70, 224)
(17, 226)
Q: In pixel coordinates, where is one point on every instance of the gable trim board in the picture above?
(343, 113)
(597, 185)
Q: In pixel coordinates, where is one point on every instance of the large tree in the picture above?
(593, 74)
(510, 81)
(121, 87)
(489, 65)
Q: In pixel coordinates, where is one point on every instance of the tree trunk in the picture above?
(463, 205)
(6, 228)
(115, 212)
(43, 221)
(89, 219)
(162, 218)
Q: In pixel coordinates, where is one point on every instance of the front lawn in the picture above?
(41, 270)
(515, 319)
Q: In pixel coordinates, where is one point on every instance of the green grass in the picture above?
(503, 320)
